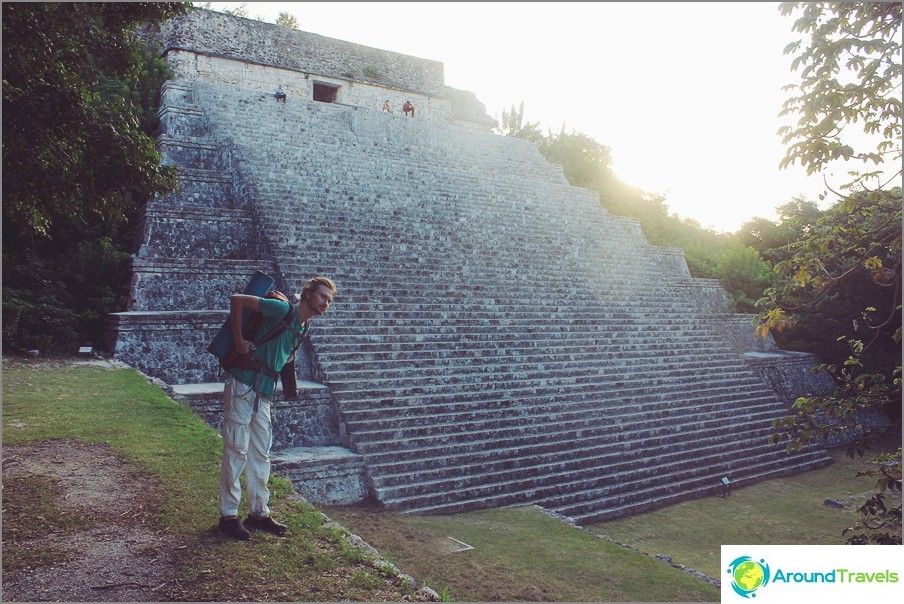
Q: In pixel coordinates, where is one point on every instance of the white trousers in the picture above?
(247, 438)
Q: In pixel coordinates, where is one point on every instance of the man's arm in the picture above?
(238, 304)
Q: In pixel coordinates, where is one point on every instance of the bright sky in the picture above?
(685, 94)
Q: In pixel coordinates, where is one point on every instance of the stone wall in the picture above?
(220, 35)
(261, 56)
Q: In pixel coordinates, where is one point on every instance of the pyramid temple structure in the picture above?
(498, 338)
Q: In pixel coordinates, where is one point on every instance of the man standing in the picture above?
(247, 431)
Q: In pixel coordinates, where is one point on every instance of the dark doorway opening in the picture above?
(325, 93)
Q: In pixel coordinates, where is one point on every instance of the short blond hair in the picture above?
(315, 282)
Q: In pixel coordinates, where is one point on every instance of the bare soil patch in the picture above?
(82, 524)
(103, 545)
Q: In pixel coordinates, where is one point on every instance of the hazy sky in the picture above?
(685, 94)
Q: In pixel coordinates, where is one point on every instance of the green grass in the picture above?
(787, 510)
(169, 442)
(522, 554)
(121, 409)
(519, 553)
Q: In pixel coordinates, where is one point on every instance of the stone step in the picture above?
(503, 352)
(309, 419)
(479, 439)
(198, 152)
(495, 377)
(530, 395)
(197, 232)
(739, 474)
(397, 422)
(581, 452)
(207, 392)
(207, 188)
(645, 497)
(585, 361)
(182, 121)
(431, 454)
(506, 385)
(578, 443)
(325, 475)
(165, 284)
(461, 336)
(492, 348)
(590, 475)
(425, 410)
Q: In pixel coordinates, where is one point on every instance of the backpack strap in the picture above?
(284, 324)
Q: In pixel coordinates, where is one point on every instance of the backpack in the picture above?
(232, 359)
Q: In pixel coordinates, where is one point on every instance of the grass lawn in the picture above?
(506, 554)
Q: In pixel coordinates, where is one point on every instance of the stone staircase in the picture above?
(498, 337)
(198, 247)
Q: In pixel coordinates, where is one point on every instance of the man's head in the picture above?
(318, 294)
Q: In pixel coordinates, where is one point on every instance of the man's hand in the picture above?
(238, 304)
(244, 346)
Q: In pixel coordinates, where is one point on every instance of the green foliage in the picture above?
(512, 124)
(826, 292)
(72, 140)
(585, 161)
(879, 523)
(79, 112)
(850, 74)
(846, 262)
(287, 19)
(796, 219)
(240, 11)
(743, 272)
(169, 442)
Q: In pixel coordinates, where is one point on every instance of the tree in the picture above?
(512, 124)
(72, 143)
(79, 100)
(744, 273)
(287, 19)
(851, 74)
(586, 162)
(795, 219)
(240, 11)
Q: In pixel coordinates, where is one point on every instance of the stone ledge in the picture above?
(782, 356)
(329, 475)
(302, 457)
(205, 389)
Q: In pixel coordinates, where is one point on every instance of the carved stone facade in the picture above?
(258, 56)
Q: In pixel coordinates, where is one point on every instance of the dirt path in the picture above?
(82, 523)
(106, 545)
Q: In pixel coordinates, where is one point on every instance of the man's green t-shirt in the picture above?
(273, 353)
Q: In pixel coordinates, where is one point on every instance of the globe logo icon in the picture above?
(748, 575)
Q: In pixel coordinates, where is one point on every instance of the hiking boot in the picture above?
(231, 526)
(266, 524)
